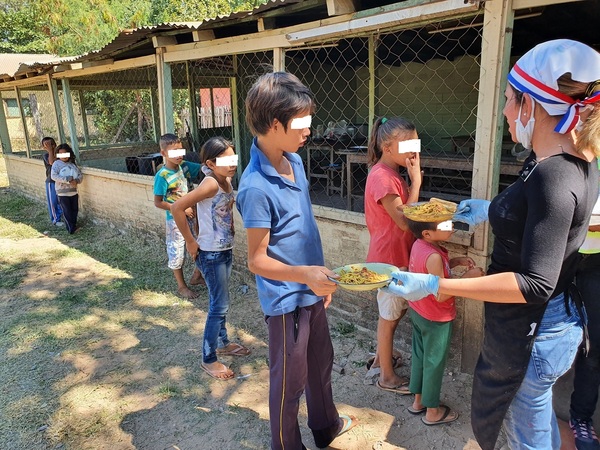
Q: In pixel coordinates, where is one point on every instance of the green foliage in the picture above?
(74, 27)
(21, 27)
(120, 115)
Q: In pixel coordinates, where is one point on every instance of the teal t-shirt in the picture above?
(174, 184)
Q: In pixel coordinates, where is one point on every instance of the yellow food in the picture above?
(450, 206)
(361, 276)
(432, 211)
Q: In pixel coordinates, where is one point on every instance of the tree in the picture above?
(21, 27)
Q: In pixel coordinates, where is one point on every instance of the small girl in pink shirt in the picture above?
(432, 318)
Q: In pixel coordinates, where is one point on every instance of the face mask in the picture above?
(525, 133)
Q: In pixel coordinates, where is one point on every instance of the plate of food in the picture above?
(435, 210)
(364, 276)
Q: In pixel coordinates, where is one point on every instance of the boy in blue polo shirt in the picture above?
(172, 181)
(285, 254)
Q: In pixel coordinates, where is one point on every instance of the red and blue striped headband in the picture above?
(556, 100)
(537, 72)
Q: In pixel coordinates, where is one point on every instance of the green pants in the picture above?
(430, 344)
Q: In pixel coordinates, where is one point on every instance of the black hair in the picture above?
(214, 147)
(48, 138)
(277, 95)
(66, 148)
(417, 228)
(168, 139)
(383, 131)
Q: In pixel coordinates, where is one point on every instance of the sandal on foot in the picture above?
(396, 362)
(415, 411)
(349, 423)
(233, 349)
(218, 374)
(447, 417)
(401, 389)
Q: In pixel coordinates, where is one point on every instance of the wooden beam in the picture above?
(229, 46)
(338, 7)
(86, 64)
(71, 117)
(523, 4)
(126, 64)
(203, 35)
(163, 41)
(376, 21)
(265, 23)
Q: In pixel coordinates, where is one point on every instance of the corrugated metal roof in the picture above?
(13, 63)
(128, 38)
(20, 64)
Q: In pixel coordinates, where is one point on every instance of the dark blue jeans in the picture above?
(587, 369)
(70, 209)
(216, 268)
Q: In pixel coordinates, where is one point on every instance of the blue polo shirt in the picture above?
(267, 200)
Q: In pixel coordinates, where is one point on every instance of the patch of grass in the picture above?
(344, 329)
(12, 274)
(168, 390)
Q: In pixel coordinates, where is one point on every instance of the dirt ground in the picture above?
(99, 360)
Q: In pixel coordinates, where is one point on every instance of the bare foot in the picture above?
(187, 293)
(217, 370)
(197, 278)
(394, 380)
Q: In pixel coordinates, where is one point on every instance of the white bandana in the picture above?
(538, 71)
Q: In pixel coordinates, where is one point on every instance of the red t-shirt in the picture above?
(389, 244)
(429, 307)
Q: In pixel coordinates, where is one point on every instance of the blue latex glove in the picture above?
(472, 211)
(413, 286)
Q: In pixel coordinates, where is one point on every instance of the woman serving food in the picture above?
(532, 324)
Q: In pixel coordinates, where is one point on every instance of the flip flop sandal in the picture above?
(396, 365)
(323, 438)
(215, 373)
(238, 350)
(416, 412)
(443, 419)
(401, 389)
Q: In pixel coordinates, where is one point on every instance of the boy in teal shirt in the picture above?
(171, 182)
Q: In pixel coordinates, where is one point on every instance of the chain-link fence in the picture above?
(427, 74)
(37, 120)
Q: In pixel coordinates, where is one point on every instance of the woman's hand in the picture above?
(414, 286)
(472, 211)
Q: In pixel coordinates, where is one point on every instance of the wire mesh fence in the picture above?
(427, 74)
(32, 121)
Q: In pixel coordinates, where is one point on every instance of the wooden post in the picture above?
(165, 92)
(4, 134)
(53, 88)
(70, 117)
(86, 130)
(495, 53)
(23, 121)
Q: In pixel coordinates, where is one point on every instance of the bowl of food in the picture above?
(435, 210)
(364, 276)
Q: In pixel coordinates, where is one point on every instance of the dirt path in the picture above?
(126, 375)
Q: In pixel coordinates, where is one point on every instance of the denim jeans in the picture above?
(216, 268)
(587, 368)
(530, 422)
